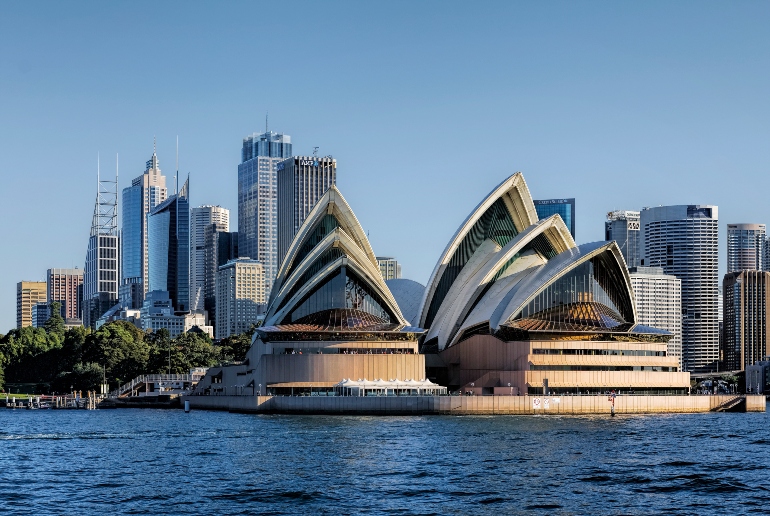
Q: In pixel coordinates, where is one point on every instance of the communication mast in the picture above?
(105, 220)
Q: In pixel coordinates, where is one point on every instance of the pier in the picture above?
(75, 400)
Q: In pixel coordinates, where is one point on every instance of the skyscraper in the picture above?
(745, 247)
(623, 228)
(101, 274)
(240, 296)
(41, 312)
(389, 268)
(257, 198)
(658, 298)
(683, 240)
(139, 199)
(302, 180)
(28, 294)
(63, 287)
(746, 303)
(564, 207)
(766, 255)
(168, 242)
(220, 247)
(201, 218)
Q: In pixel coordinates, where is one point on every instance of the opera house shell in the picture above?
(330, 317)
(514, 306)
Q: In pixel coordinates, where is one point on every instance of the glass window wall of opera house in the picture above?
(513, 307)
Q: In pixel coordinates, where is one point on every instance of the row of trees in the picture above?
(57, 359)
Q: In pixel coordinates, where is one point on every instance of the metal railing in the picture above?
(153, 378)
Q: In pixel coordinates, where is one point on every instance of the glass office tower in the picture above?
(564, 207)
(201, 218)
(168, 229)
(220, 247)
(745, 247)
(258, 199)
(145, 193)
(623, 228)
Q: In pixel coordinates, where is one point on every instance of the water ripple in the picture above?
(148, 461)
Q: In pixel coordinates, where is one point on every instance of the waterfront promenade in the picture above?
(471, 405)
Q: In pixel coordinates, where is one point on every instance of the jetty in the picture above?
(75, 400)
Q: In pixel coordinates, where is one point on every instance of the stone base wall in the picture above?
(466, 405)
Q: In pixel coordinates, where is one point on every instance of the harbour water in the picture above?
(146, 461)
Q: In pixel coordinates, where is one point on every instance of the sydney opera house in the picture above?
(513, 307)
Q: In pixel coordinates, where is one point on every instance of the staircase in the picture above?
(140, 383)
(734, 404)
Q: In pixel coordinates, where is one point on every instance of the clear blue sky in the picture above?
(425, 105)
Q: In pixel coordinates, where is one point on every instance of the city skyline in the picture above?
(644, 121)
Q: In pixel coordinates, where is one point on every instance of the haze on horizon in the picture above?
(426, 107)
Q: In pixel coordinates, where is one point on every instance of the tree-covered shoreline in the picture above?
(56, 359)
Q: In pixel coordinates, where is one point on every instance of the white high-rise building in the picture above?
(745, 247)
(389, 268)
(658, 298)
(684, 241)
(241, 296)
(200, 218)
(258, 199)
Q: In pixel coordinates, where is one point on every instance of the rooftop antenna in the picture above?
(154, 145)
(266, 113)
(315, 152)
(105, 220)
(176, 176)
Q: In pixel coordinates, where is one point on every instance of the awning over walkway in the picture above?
(362, 387)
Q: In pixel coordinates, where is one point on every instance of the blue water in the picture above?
(167, 462)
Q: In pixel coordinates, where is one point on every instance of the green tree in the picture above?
(71, 352)
(235, 347)
(55, 323)
(183, 352)
(160, 349)
(120, 347)
(196, 350)
(29, 355)
(83, 377)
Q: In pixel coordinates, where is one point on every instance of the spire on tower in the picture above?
(105, 220)
(152, 163)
